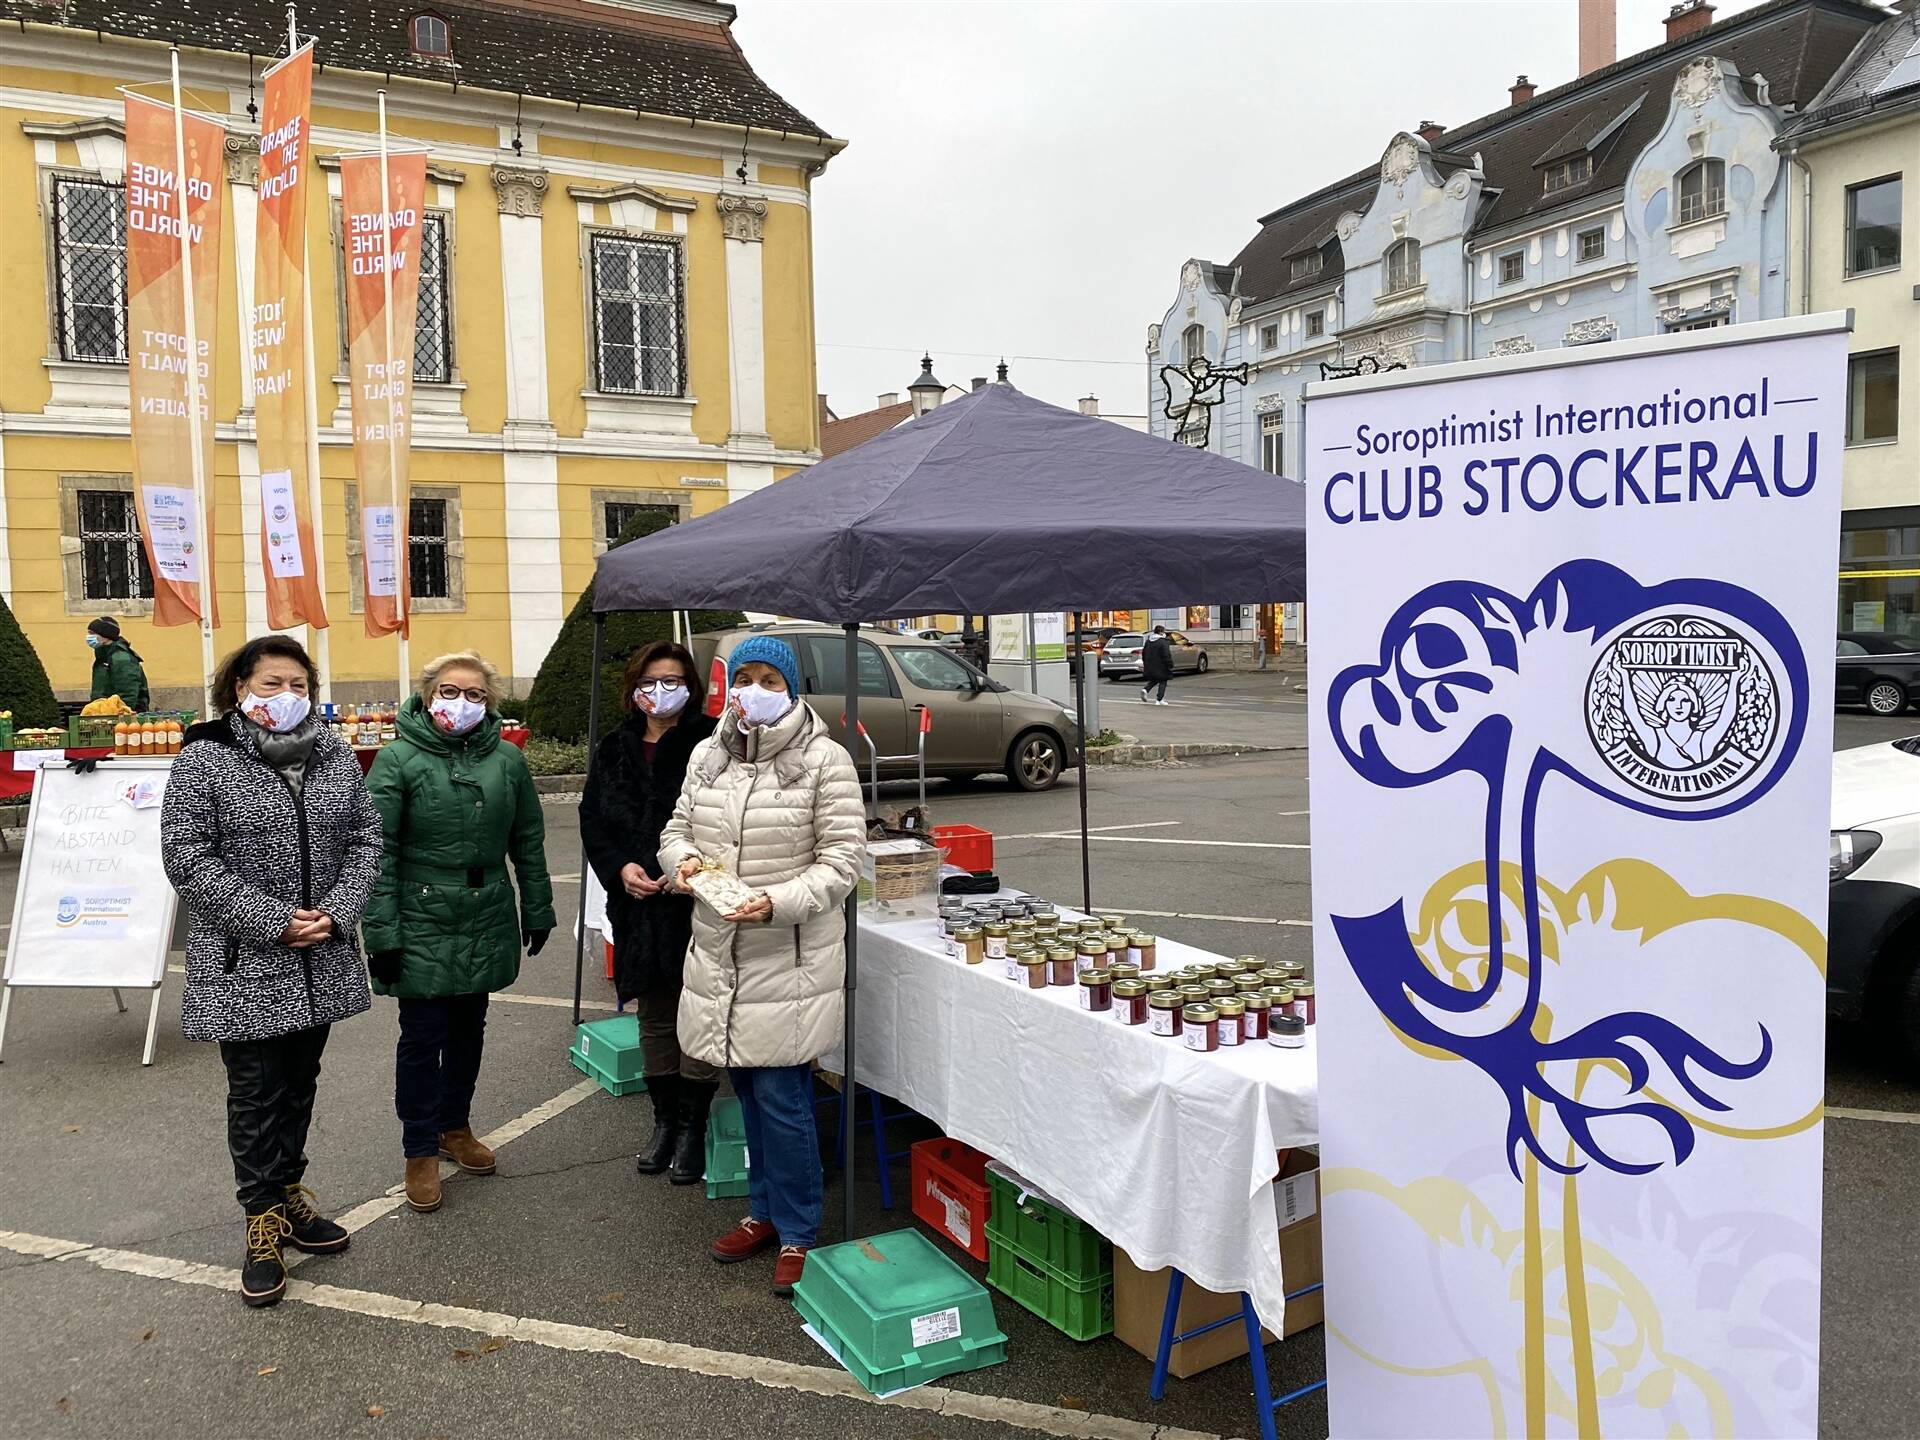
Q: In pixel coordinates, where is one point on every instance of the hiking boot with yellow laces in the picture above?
(308, 1229)
(263, 1279)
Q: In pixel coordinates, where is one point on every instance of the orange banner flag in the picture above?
(282, 351)
(382, 237)
(171, 393)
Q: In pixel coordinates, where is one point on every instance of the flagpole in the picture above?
(321, 635)
(201, 526)
(393, 459)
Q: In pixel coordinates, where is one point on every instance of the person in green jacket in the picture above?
(116, 668)
(441, 928)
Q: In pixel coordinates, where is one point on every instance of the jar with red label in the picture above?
(1096, 990)
(1303, 1000)
(1233, 1012)
(1130, 1002)
(1063, 966)
(1282, 997)
(1163, 1012)
(1253, 1025)
(1201, 1028)
(1033, 969)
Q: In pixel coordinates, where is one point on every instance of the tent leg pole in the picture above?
(1080, 719)
(848, 1130)
(593, 740)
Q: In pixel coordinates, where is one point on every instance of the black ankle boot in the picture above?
(657, 1153)
(263, 1278)
(690, 1150)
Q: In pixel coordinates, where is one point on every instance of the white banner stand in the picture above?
(93, 908)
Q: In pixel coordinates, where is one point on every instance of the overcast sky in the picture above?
(1025, 177)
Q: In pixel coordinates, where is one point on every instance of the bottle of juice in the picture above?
(120, 738)
(174, 732)
(389, 725)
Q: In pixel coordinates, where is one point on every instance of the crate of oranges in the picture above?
(138, 736)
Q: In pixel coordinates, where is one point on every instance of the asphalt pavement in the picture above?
(569, 1296)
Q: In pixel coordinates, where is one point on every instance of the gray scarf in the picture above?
(289, 754)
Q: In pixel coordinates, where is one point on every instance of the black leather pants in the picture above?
(270, 1089)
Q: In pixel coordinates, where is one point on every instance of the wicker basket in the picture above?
(903, 869)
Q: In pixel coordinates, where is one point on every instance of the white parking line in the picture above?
(1166, 840)
(1231, 919)
(661, 1354)
(556, 1002)
(1885, 1117)
(1091, 830)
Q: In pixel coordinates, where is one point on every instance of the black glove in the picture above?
(536, 940)
(84, 765)
(385, 965)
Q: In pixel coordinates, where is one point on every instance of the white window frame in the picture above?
(1193, 343)
(1517, 260)
(1273, 442)
(676, 301)
(1710, 203)
(58, 272)
(1305, 267)
(1900, 240)
(1269, 337)
(1316, 324)
(1580, 256)
(1565, 174)
(1403, 255)
(428, 18)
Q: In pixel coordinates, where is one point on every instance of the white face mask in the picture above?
(458, 715)
(758, 705)
(279, 712)
(667, 700)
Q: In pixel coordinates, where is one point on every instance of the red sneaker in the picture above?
(788, 1268)
(744, 1241)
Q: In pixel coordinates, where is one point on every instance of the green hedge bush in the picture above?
(23, 679)
(557, 705)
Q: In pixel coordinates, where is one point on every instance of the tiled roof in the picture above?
(842, 435)
(1796, 44)
(565, 50)
(1861, 86)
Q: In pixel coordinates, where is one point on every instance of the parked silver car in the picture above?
(979, 725)
(1121, 655)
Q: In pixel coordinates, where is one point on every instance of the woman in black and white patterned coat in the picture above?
(269, 835)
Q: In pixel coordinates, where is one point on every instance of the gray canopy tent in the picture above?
(995, 503)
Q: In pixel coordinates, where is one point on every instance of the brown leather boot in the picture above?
(423, 1182)
(468, 1153)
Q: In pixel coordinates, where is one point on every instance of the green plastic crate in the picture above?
(897, 1312)
(1025, 1221)
(609, 1052)
(726, 1150)
(1080, 1310)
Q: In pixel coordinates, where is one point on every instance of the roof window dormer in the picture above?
(430, 37)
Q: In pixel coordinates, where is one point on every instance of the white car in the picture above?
(1873, 904)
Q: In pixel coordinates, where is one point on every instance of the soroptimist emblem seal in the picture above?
(1682, 707)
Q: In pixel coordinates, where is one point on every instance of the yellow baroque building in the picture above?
(616, 305)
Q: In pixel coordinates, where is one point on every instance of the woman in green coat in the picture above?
(442, 931)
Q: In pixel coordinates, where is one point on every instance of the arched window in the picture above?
(430, 35)
(1403, 266)
(1193, 343)
(1703, 191)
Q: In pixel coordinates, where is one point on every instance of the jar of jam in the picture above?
(1157, 983)
(1201, 1027)
(1274, 975)
(1193, 992)
(1292, 969)
(997, 935)
(971, 943)
(1092, 949)
(1040, 909)
(1289, 1032)
(1033, 969)
(1015, 954)
(1229, 968)
(1110, 921)
(1220, 987)
(1130, 1002)
(1063, 966)
(1096, 990)
(1233, 1011)
(1046, 920)
(1282, 997)
(1163, 1012)
(1142, 949)
(1012, 909)
(1202, 972)
(1253, 1025)
(1303, 1000)
(1121, 969)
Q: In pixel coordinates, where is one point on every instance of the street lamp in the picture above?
(926, 392)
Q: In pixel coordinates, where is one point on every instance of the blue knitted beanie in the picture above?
(767, 651)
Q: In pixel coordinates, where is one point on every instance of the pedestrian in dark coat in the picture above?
(267, 832)
(1156, 665)
(456, 802)
(116, 665)
(630, 795)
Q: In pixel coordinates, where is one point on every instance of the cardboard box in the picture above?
(1140, 1297)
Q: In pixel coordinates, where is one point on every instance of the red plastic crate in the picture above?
(967, 846)
(950, 1192)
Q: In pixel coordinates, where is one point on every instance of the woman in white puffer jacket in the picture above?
(775, 799)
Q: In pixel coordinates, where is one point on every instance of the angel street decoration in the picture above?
(1192, 391)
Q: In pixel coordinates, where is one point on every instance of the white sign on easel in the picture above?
(93, 908)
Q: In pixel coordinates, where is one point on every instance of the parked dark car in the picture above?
(1877, 669)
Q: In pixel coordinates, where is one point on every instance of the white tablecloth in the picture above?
(1167, 1152)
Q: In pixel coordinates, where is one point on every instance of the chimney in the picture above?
(1522, 90)
(1431, 131)
(1000, 373)
(1689, 17)
(891, 397)
(1599, 35)
(1089, 404)
(979, 382)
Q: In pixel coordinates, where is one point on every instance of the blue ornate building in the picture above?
(1646, 196)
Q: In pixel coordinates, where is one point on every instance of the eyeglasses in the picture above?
(654, 687)
(454, 692)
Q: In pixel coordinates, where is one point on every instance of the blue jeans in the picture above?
(436, 1067)
(784, 1184)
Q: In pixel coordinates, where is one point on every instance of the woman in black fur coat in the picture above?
(637, 773)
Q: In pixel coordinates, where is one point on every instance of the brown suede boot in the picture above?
(468, 1153)
(423, 1182)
